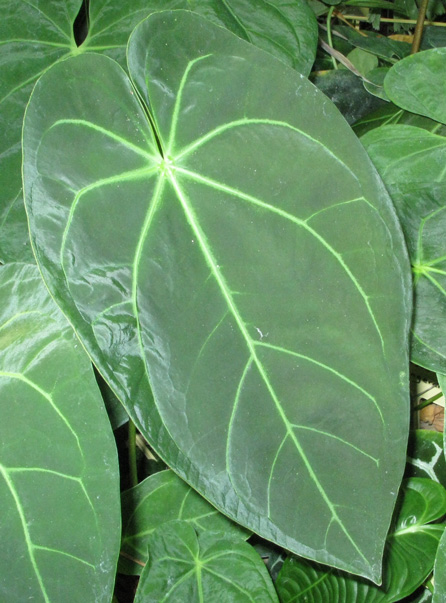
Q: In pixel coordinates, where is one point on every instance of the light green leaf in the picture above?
(409, 556)
(411, 161)
(362, 60)
(382, 47)
(161, 498)
(259, 325)
(34, 36)
(207, 567)
(425, 456)
(59, 480)
(418, 83)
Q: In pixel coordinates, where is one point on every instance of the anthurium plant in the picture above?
(199, 248)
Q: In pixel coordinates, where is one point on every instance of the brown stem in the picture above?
(418, 33)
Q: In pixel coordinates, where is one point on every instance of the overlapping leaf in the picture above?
(260, 298)
(161, 498)
(409, 557)
(59, 493)
(211, 566)
(418, 83)
(411, 162)
(34, 36)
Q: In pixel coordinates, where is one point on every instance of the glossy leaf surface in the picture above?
(411, 163)
(418, 83)
(227, 285)
(59, 486)
(409, 556)
(161, 498)
(34, 36)
(184, 566)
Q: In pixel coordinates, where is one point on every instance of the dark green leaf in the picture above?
(425, 456)
(374, 82)
(160, 498)
(409, 556)
(383, 47)
(205, 568)
(418, 83)
(390, 114)
(347, 92)
(59, 495)
(411, 162)
(259, 324)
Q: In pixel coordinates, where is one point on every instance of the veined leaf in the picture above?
(211, 566)
(409, 556)
(425, 456)
(157, 500)
(34, 36)
(59, 495)
(418, 83)
(259, 298)
(440, 572)
(411, 163)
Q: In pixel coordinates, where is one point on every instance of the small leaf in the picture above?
(158, 499)
(425, 457)
(409, 556)
(59, 479)
(207, 567)
(418, 83)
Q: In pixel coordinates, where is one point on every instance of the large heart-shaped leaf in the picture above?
(158, 499)
(409, 557)
(258, 295)
(210, 566)
(34, 36)
(59, 496)
(411, 162)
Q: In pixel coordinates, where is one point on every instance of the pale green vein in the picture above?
(43, 470)
(339, 439)
(18, 316)
(271, 473)
(178, 100)
(311, 587)
(152, 209)
(426, 345)
(199, 583)
(434, 282)
(231, 582)
(48, 398)
(133, 175)
(73, 478)
(26, 533)
(178, 583)
(39, 42)
(123, 141)
(340, 204)
(101, 314)
(393, 164)
(64, 554)
(435, 261)
(138, 506)
(21, 85)
(325, 367)
(226, 293)
(183, 502)
(246, 121)
(49, 20)
(234, 411)
(299, 222)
